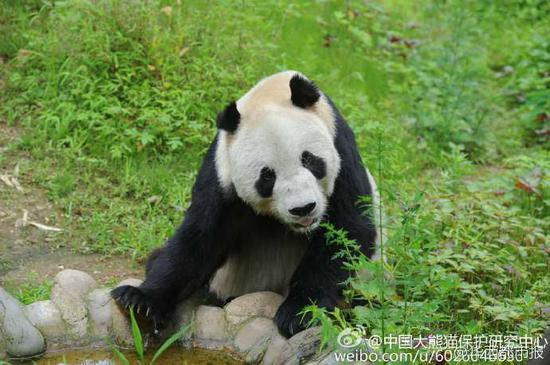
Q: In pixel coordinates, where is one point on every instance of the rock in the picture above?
(275, 349)
(3, 353)
(45, 316)
(184, 315)
(121, 323)
(255, 332)
(20, 337)
(210, 327)
(257, 351)
(69, 293)
(99, 311)
(301, 346)
(264, 304)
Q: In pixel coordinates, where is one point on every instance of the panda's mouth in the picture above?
(305, 223)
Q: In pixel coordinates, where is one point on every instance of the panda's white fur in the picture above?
(273, 132)
(267, 264)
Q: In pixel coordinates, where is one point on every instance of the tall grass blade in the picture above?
(138, 340)
(120, 355)
(176, 336)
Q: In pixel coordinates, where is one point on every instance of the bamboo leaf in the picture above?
(176, 336)
(138, 340)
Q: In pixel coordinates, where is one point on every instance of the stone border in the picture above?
(81, 314)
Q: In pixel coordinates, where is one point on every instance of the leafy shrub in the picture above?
(117, 101)
(467, 259)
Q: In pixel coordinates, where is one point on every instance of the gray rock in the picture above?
(325, 357)
(2, 341)
(120, 321)
(99, 310)
(263, 304)
(257, 351)
(185, 314)
(277, 346)
(210, 327)
(69, 293)
(255, 332)
(45, 316)
(302, 346)
(20, 337)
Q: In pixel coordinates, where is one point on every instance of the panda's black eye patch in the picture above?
(264, 185)
(315, 164)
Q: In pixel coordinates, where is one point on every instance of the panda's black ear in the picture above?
(304, 93)
(229, 118)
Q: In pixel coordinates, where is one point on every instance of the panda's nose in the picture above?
(304, 210)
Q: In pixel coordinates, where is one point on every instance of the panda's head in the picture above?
(276, 148)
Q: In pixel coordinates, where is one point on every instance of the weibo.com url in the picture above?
(359, 355)
(357, 348)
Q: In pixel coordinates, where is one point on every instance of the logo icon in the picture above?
(351, 337)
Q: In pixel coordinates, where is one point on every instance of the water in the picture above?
(172, 356)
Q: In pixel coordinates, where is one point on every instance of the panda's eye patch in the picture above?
(315, 164)
(264, 185)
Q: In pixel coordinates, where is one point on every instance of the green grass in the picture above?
(31, 291)
(140, 347)
(449, 101)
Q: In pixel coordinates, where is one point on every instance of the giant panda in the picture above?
(282, 162)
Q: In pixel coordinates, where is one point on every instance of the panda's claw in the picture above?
(288, 318)
(130, 297)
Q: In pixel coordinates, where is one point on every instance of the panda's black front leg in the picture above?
(190, 257)
(317, 280)
(175, 272)
(179, 269)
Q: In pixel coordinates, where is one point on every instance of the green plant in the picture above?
(139, 346)
(33, 291)
(116, 101)
(61, 185)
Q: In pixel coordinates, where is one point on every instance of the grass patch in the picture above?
(449, 102)
(31, 291)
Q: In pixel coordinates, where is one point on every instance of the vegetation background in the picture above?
(116, 101)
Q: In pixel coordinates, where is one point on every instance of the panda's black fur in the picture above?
(217, 218)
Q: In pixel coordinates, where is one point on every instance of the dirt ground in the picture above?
(31, 250)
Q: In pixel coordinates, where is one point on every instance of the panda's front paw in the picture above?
(128, 296)
(289, 319)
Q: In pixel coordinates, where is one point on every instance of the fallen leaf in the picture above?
(167, 10)
(154, 199)
(23, 53)
(530, 183)
(183, 51)
(11, 181)
(394, 39)
(411, 43)
(45, 227)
